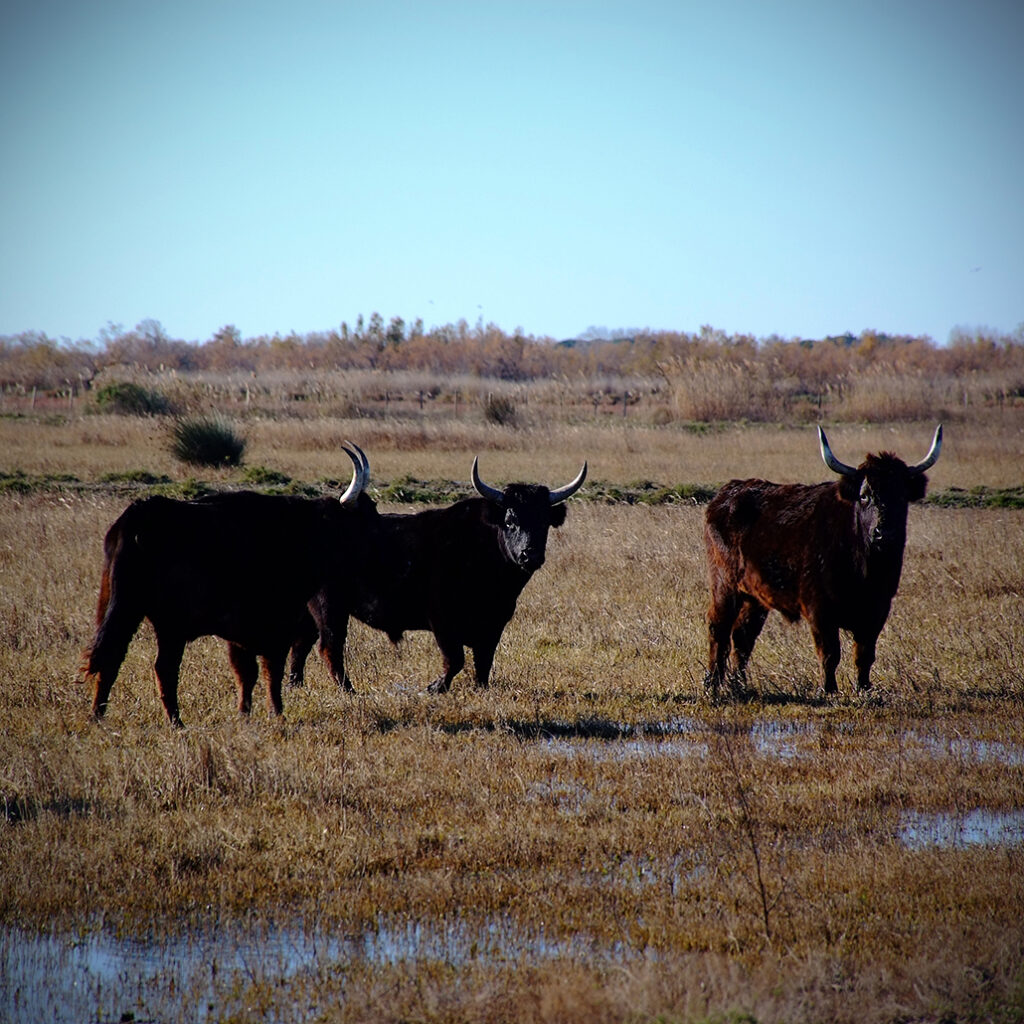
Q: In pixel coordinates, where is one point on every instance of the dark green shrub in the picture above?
(206, 441)
(501, 410)
(128, 399)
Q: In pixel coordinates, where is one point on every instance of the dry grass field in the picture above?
(587, 840)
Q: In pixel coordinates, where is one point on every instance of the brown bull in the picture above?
(830, 553)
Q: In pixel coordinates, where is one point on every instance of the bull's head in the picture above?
(883, 486)
(524, 513)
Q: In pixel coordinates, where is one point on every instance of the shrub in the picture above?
(206, 441)
(128, 399)
(501, 410)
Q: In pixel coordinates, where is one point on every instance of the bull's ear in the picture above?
(916, 486)
(849, 486)
(557, 515)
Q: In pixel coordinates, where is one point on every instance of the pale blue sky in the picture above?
(793, 168)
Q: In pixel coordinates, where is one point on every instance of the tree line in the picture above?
(34, 360)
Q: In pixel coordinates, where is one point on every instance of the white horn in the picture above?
(359, 472)
(830, 460)
(365, 465)
(561, 493)
(485, 490)
(933, 453)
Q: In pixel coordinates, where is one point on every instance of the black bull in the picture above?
(252, 568)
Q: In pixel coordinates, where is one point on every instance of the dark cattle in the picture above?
(829, 553)
(241, 566)
(456, 571)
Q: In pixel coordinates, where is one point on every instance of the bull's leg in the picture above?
(243, 661)
(168, 664)
(483, 659)
(101, 693)
(745, 631)
(864, 657)
(721, 616)
(273, 668)
(826, 640)
(333, 633)
(454, 658)
(107, 653)
(300, 652)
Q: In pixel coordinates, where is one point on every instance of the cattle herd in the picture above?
(272, 574)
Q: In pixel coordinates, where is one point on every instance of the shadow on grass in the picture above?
(15, 810)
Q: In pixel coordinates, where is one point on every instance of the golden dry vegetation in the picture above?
(588, 839)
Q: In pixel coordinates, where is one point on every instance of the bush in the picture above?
(128, 399)
(206, 441)
(501, 410)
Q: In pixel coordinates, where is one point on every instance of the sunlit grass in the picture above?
(595, 839)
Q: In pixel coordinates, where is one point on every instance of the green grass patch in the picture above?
(261, 476)
(18, 482)
(978, 497)
(647, 492)
(135, 476)
(407, 490)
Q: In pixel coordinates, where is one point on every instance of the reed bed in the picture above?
(587, 839)
(986, 449)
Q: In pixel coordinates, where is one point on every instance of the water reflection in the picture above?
(964, 748)
(96, 975)
(683, 737)
(785, 740)
(979, 827)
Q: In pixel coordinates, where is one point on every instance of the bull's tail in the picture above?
(119, 611)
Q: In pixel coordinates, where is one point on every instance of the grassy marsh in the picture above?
(587, 839)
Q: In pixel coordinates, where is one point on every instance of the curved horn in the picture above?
(486, 490)
(360, 473)
(561, 493)
(365, 480)
(830, 460)
(933, 453)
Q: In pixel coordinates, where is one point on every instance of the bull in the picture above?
(242, 566)
(829, 553)
(456, 571)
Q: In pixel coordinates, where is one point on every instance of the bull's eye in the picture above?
(510, 518)
(865, 498)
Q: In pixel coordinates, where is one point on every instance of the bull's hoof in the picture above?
(712, 686)
(439, 686)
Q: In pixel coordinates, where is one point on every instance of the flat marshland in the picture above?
(589, 839)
